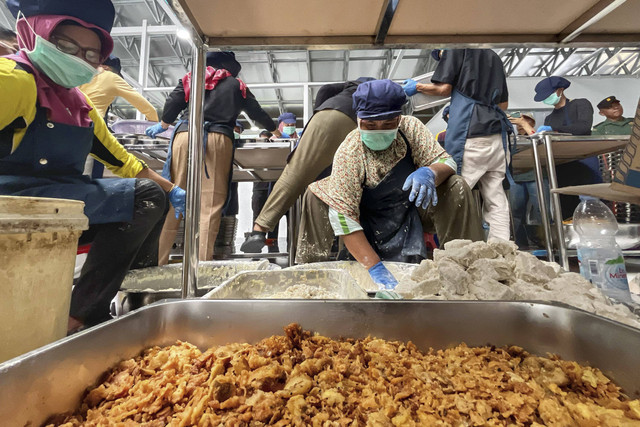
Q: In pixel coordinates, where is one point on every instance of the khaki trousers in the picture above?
(454, 217)
(320, 140)
(484, 164)
(213, 195)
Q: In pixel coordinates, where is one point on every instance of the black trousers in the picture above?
(261, 191)
(117, 248)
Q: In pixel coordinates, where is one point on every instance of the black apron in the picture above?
(49, 162)
(389, 220)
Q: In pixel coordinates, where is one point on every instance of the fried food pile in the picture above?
(301, 379)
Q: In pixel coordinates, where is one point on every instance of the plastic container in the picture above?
(325, 283)
(38, 244)
(400, 270)
(599, 255)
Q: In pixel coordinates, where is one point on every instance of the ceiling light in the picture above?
(183, 34)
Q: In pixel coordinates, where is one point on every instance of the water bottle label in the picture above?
(615, 274)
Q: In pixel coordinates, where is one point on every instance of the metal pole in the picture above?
(143, 71)
(546, 224)
(306, 104)
(294, 221)
(194, 175)
(555, 201)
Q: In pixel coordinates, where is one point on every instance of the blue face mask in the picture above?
(63, 69)
(289, 130)
(552, 99)
(378, 140)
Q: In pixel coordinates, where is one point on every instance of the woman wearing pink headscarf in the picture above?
(47, 129)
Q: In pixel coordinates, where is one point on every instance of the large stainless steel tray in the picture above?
(148, 285)
(53, 378)
(264, 284)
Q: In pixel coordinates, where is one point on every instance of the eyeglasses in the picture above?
(92, 56)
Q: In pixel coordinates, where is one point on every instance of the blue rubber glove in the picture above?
(178, 199)
(544, 129)
(410, 87)
(153, 131)
(382, 277)
(422, 183)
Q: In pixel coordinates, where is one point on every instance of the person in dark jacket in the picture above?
(478, 130)
(332, 121)
(575, 117)
(225, 98)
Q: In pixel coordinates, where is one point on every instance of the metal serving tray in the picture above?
(263, 284)
(420, 101)
(52, 379)
(148, 285)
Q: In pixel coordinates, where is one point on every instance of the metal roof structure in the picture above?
(155, 51)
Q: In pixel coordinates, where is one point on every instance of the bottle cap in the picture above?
(585, 198)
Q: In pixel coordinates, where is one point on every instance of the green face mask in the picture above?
(65, 70)
(552, 99)
(378, 140)
(236, 135)
(289, 130)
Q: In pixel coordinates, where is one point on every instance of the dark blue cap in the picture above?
(226, 60)
(113, 62)
(379, 100)
(288, 118)
(239, 125)
(547, 86)
(100, 13)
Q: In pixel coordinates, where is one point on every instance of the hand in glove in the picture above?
(153, 131)
(410, 87)
(422, 183)
(178, 199)
(544, 129)
(382, 277)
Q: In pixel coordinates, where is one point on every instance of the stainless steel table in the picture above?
(555, 149)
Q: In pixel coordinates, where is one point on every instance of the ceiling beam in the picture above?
(598, 11)
(152, 30)
(274, 78)
(345, 65)
(384, 21)
(396, 63)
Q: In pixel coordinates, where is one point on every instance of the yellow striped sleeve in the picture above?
(18, 93)
(108, 151)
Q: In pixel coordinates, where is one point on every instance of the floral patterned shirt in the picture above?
(355, 165)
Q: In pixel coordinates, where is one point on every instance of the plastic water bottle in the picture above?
(599, 255)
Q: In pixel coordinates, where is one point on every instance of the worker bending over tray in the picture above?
(47, 129)
(390, 181)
